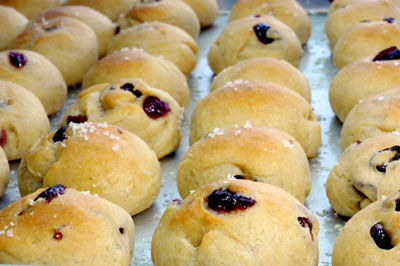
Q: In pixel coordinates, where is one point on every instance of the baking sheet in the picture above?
(317, 66)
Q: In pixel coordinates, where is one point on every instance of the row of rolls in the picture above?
(364, 95)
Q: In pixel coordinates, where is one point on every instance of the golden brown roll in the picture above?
(366, 39)
(265, 69)
(159, 39)
(363, 78)
(251, 37)
(371, 236)
(12, 24)
(30, 8)
(260, 154)
(174, 12)
(135, 63)
(289, 12)
(236, 222)
(37, 74)
(61, 226)
(100, 24)
(206, 10)
(69, 44)
(112, 9)
(23, 119)
(103, 159)
(4, 172)
(342, 19)
(376, 115)
(256, 103)
(151, 114)
(337, 4)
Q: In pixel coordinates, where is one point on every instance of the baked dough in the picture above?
(156, 71)
(174, 12)
(342, 19)
(260, 154)
(112, 9)
(159, 39)
(236, 222)
(337, 4)
(23, 119)
(12, 24)
(289, 12)
(251, 37)
(265, 69)
(100, 158)
(360, 80)
(366, 39)
(37, 74)
(60, 226)
(4, 172)
(206, 10)
(99, 23)
(376, 115)
(151, 114)
(248, 103)
(371, 236)
(359, 176)
(30, 8)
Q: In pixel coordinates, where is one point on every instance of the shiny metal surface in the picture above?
(317, 66)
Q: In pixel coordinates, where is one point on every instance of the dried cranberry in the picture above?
(17, 59)
(382, 167)
(59, 136)
(177, 201)
(52, 28)
(256, 15)
(397, 202)
(330, 1)
(57, 235)
(391, 53)
(78, 119)
(304, 221)
(261, 33)
(155, 108)
(381, 238)
(121, 230)
(239, 177)
(22, 212)
(365, 20)
(49, 194)
(3, 138)
(117, 30)
(358, 142)
(130, 87)
(225, 200)
(389, 20)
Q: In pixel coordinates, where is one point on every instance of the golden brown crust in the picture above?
(12, 24)
(4, 172)
(206, 10)
(30, 8)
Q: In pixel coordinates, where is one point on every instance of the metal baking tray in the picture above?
(317, 66)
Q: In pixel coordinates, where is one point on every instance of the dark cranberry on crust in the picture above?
(225, 200)
(381, 237)
(18, 60)
(155, 108)
(59, 136)
(52, 192)
(261, 30)
(391, 53)
(78, 119)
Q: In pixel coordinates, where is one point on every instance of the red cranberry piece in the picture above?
(121, 230)
(52, 192)
(389, 20)
(22, 212)
(382, 167)
(155, 108)
(78, 119)
(117, 30)
(238, 177)
(397, 202)
(358, 142)
(261, 33)
(59, 136)
(57, 235)
(381, 238)
(304, 221)
(3, 138)
(391, 53)
(225, 200)
(17, 59)
(130, 87)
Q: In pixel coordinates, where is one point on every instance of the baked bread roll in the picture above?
(156, 71)
(206, 10)
(363, 78)
(31, 8)
(359, 175)
(251, 37)
(151, 114)
(366, 39)
(342, 19)
(100, 158)
(289, 12)
(159, 39)
(61, 226)
(37, 74)
(174, 12)
(259, 154)
(236, 222)
(12, 24)
(265, 69)
(69, 44)
(99, 23)
(376, 115)
(4, 172)
(371, 236)
(112, 9)
(256, 103)
(23, 119)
